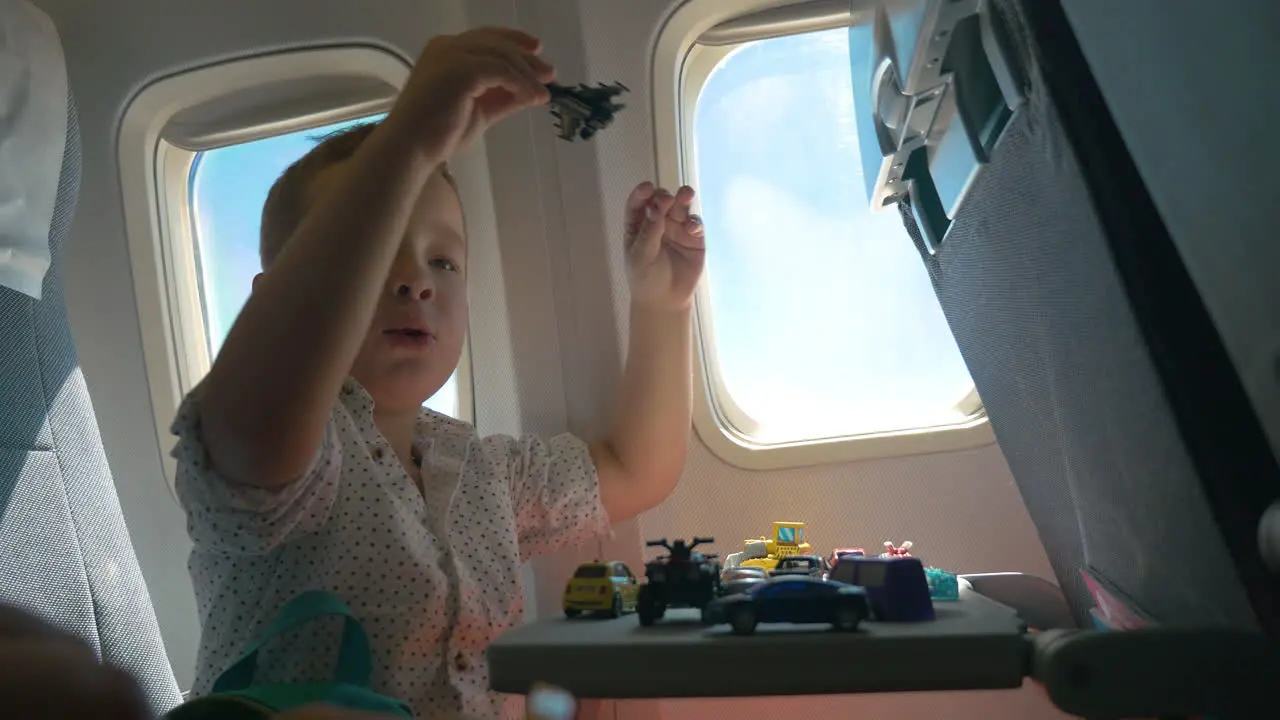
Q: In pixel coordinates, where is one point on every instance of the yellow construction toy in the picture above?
(788, 539)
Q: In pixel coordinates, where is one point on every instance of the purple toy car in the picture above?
(896, 586)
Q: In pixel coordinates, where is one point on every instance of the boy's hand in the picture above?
(665, 247)
(464, 83)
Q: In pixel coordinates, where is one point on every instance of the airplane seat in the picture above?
(65, 553)
(1133, 443)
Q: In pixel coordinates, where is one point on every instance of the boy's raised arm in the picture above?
(268, 397)
(641, 459)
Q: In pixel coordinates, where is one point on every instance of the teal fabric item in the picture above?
(942, 584)
(235, 696)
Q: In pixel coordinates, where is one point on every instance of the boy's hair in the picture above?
(286, 202)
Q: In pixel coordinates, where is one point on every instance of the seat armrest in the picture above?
(1037, 601)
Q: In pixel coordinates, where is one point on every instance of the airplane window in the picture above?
(821, 319)
(227, 189)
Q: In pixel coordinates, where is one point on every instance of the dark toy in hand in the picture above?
(583, 111)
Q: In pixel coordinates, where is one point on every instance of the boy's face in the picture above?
(415, 340)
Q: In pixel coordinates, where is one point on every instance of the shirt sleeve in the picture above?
(555, 493)
(241, 519)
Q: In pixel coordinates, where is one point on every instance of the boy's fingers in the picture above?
(520, 49)
(539, 71)
(516, 69)
(490, 72)
(545, 71)
(684, 201)
(486, 71)
(687, 234)
(649, 238)
(634, 214)
(693, 225)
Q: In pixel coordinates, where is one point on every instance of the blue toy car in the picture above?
(791, 599)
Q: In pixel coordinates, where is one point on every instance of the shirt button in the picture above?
(460, 661)
(377, 454)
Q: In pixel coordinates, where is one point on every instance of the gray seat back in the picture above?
(1109, 390)
(65, 552)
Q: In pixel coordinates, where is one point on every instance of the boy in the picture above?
(409, 516)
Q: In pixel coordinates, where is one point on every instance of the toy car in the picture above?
(838, 553)
(682, 578)
(791, 599)
(608, 587)
(896, 586)
(788, 539)
(810, 565)
(739, 579)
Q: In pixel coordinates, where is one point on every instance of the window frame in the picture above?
(156, 154)
(681, 67)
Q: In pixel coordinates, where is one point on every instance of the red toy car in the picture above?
(838, 553)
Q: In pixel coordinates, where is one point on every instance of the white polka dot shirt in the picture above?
(434, 575)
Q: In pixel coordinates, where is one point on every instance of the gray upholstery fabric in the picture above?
(65, 553)
(1031, 290)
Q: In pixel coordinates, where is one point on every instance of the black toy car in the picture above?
(803, 565)
(682, 578)
(791, 599)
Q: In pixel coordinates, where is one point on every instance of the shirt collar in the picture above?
(357, 400)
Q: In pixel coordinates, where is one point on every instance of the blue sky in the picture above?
(824, 319)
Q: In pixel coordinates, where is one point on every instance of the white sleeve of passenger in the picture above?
(33, 138)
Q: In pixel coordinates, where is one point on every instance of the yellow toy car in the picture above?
(601, 587)
(764, 553)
